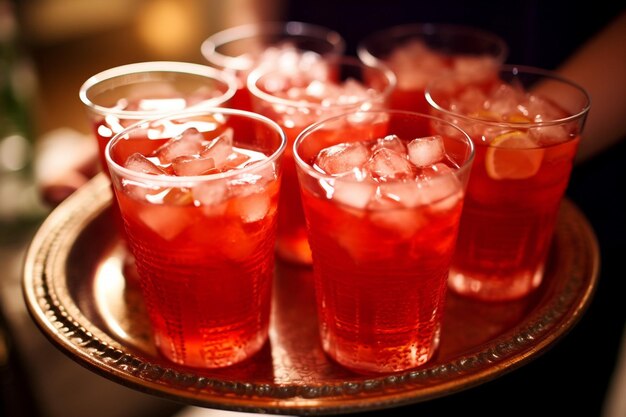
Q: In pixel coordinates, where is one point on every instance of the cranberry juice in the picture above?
(525, 148)
(508, 224)
(382, 240)
(204, 253)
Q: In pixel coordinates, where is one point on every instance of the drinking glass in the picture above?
(199, 200)
(382, 193)
(121, 96)
(240, 49)
(420, 52)
(526, 125)
(296, 99)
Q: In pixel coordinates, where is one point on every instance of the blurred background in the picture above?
(50, 47)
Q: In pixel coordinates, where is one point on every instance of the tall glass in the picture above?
(199, 197)
(526, 125)
(420, 52)
(296, 99)
(240, 49)
(382, 192)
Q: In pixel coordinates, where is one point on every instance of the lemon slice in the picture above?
(514, 156)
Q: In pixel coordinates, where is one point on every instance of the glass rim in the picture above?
(209, 46)
(517, 69)
(317, 125)
(181, 67)
(428, 29)
(181, 181)
(256, 74)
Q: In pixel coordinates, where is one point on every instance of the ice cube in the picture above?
(166, 221)
(426, 151)
(316, 88)
(392, 142)
(190, 142)
(210, 193)
(404, 193)
(386, 165)
(472, 69)
(505, 99)
(342, 158)
(219, 149)
(543, 110)
(193, 165)
(439, 187)
(471, 101)
(404, 222)
(139, 163)
(349, 92)
(550, 134)
(354, 193)
(251, 207)
(237, 160)
(415, 64)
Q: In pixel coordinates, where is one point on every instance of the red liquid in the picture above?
(507, 226)
(291, 241)
(380, 279)
(206, 271)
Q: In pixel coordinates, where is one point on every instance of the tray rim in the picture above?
(71, 332)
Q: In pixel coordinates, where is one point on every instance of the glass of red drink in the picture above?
(295, 45)
(124, 95)
(382, 193)
(199, 200)
(296, 99)
(526, 125)
(417, 53)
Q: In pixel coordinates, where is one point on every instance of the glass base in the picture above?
(492, 287)
(374, 359)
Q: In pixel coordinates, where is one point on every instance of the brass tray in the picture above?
(76, 292)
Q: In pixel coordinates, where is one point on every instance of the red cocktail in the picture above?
(120, 96)
(383, 200)
(419, 53)
(288, 45)
(199, 204)
(526, 126)
(296, 99)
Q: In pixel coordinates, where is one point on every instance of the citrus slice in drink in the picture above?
(513, 155)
